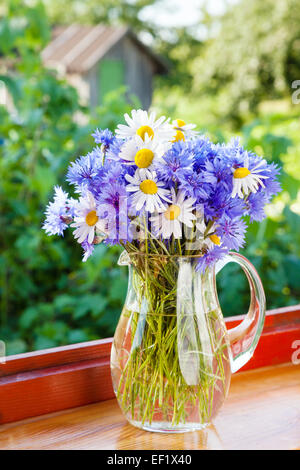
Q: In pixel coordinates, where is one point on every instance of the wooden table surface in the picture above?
(262, 411)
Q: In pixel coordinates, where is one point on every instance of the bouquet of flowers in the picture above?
(162, 187)
(165, 192)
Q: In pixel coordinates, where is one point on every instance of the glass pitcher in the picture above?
(172, 355)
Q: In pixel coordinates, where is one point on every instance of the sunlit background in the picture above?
(231, 67)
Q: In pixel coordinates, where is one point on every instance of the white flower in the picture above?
(211, 239)
(141, 123)
(86, 220)
(147, 191)
(183, 130)
(142, 153)
(177, 213)
(246, 180)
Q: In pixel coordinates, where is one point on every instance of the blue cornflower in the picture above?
(175, 162)
(194, 185)
(85, 169)
(272, 186)
(71, 205)
(210, 258)
(116, 172)
(104, 137)
(114, 149)
(57, 213)
(110, 174)
(111, 193)
(113, 206)
(234, 207)
(203, 150)
(88, 249)
(218, 202)
(256, 206)
(218, 172)
(232, 152)
(232, 232)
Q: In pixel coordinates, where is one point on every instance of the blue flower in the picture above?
(218, 202)
(232, 152)
(232, 232)
(112, 205)
(210, 258)
(85, 169)
(57, 213)
(272, 186)
(176, 162)
(218, 173)
(88, 249)
(114, 149)
(255, 202)
(194, 185)
(256, 206)
(235, 207)
(104, 137)
(203, 150)
(112, 192)
(115, 172)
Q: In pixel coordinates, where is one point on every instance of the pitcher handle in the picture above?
(244, 337)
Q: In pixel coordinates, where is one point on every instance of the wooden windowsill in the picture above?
(262, 411)
(67, 377)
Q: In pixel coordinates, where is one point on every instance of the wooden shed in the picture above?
(98, 59)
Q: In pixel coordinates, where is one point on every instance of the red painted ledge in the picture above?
(40, 382)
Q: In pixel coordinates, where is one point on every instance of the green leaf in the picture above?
(28, 318)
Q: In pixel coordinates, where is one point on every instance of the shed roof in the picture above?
(79, 47)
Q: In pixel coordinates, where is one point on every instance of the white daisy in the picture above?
(147, 191)
(86, 220)
(183, 130)
(211, 239)
(142, 153)
(141, 123)
(246, 180)
(179, 212)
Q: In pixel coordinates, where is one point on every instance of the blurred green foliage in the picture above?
(104, 11)
(255, 56)
(48, 296)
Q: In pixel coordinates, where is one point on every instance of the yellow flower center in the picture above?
(148, 187)
(215, 239)
(179, 136)
(241, 172)
(145, 130)
(180, 122)
(91, 218)
(143, 158)
(172, 212)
